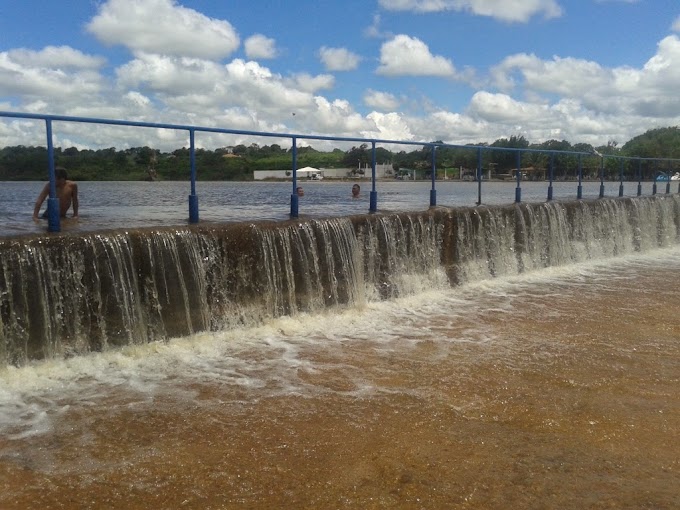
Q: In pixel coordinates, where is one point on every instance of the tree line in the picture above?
(239, 162)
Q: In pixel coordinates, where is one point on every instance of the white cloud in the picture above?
(655, 91)
(389, 126)
(560, 96)
(309, 83)
(137, 100)
(337, 116)
(171, 75)
(567, 119)
(71, 75)
(381, 100)
(650, 91)
(504, 109)
(443, 124)
(339, 59)
(259, 46)
(505, 10)
(56, 57)
(567, 76)
(409, 56)
(256, 87)
(374, 31)
(164, 27)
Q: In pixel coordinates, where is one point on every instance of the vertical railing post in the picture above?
(373, 200)
(621, 177)
(551, 175)
(294, 204)
(579, 189)
(193, 198)
(656, 173)
(601, 176)
(639, 188)
(479, 176)
(53, 209)
(433, 191)
(668, 182)
(518, 189)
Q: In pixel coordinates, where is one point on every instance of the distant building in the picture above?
(381, 172)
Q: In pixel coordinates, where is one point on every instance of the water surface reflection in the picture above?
(106, 205)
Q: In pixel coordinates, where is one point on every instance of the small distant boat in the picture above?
(664, 177)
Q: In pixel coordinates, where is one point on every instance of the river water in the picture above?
(557, 388)
(106, 205)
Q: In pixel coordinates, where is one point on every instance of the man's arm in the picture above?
(75, 200)
(40, 200)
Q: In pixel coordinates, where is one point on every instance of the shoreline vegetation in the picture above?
(237, 163)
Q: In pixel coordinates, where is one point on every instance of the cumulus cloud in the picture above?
(339, 59)
(587, 101)
(649, 91)
(56, 57)
(337, 115)
(503, 108)
(569, 119)
(540, 98)
(309, 83)
(137, 99)
(250, 84)
(171, 75)
(568, 76)
(656, 84)
(383, 101)
(259, 46)
(404, 55)
(389, 126)
(164, 27)
(239, 95)
(519, 11)
(255, 97)
(444, 125)
(54, 73)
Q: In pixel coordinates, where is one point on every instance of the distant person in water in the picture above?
(356, 189)
(67, 193)
(300, 192)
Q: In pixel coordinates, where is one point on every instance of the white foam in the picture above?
(267, 360)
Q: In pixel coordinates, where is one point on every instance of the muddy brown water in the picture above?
(554, 390)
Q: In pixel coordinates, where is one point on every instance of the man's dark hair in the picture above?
(60, 173)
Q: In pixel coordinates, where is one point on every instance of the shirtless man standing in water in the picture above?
(67, 193)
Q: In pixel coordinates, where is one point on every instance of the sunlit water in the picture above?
(105, 205)
(556, 389)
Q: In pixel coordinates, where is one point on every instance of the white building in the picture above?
(381, 172)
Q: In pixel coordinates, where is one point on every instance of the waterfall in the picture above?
(67, 294)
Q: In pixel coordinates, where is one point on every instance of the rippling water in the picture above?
(105, 205)
(553, 389)
(556, 389)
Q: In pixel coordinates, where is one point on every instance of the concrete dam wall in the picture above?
(66, 294)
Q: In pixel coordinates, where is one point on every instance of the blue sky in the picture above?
(460, 71)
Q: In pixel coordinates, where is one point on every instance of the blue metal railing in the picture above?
(53, 202)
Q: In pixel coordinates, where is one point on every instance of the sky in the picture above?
(459, 71)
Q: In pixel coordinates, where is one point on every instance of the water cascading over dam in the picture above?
(68, 294)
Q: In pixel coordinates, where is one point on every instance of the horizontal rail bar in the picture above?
(268, 134)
